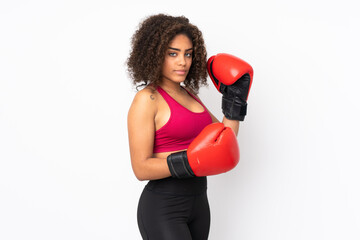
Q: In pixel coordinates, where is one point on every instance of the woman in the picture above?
(169, 58)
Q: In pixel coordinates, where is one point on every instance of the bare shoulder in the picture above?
(145, 92)
(145, 101)
(147, 95)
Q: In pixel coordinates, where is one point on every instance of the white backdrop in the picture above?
(65, 170)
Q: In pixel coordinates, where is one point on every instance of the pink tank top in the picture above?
(182, 127)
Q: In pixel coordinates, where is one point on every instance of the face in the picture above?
(178, 59)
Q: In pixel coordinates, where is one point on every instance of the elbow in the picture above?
(139, 174)
(140, 177)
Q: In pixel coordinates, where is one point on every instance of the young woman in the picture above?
(168, 58)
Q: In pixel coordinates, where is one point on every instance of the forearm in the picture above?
(151, 169)
(233, 124)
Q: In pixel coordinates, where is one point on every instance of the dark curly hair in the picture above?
(149, 45)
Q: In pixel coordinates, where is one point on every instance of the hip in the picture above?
(174, 186)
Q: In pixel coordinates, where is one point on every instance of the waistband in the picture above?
(175, 186)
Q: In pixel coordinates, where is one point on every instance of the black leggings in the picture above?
(169, 215)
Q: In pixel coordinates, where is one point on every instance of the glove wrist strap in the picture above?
(233, 109)
(179, 165)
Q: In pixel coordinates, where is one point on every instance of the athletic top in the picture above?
(182, 127)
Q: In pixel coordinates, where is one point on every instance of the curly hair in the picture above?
(149, 44)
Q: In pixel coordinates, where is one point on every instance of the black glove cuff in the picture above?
(179, 165)
(234, 110)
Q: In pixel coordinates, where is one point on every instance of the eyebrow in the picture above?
(176, 49)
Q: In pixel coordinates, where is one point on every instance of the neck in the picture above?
(172, 87)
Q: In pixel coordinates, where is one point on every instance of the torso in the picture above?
(162, 114)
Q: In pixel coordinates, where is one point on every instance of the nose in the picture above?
(181, 60)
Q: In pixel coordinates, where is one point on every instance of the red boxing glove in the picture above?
(232, 77)
(215, 150)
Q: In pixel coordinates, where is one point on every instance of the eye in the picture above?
(188, 54)
(172, 54)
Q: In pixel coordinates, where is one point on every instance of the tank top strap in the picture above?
(168, 98)
(170, 101)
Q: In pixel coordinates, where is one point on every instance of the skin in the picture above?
(149, 112)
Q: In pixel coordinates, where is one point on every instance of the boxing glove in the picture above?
(215, 150)
(232, 77)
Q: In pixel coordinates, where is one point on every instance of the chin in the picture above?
(181, 79)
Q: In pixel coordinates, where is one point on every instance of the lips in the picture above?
(180, 72)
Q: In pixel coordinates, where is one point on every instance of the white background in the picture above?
(65, 170)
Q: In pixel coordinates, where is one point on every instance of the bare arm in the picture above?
(141, 130)
(234, 124)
